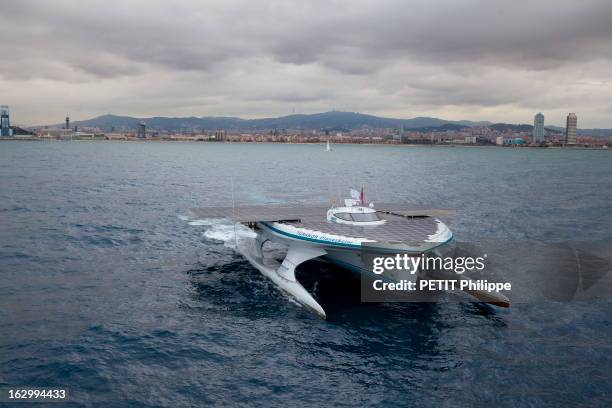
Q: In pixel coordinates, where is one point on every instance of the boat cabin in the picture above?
(354, 213)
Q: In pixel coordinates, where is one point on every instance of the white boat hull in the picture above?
(283, 274)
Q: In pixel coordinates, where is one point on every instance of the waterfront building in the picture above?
(538, 128)
(55, 133)
(142, 130)
(5, 124)
(67, 122)
(570, 129)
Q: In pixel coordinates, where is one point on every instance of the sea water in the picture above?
(110, 288)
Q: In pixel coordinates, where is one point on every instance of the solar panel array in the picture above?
(405, 224)
(397, 229)
(261, 213)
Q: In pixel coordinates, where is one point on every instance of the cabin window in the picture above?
(344, 216)
(364, 217)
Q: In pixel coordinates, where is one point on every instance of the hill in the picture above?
(442, 128)
(319, 121)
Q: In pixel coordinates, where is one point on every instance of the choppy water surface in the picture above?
(109, 289)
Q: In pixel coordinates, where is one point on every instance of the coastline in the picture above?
(402, 145)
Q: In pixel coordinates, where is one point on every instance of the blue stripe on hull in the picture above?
(302, 238)
(342, 245)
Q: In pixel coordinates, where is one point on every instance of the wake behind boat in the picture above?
(347, 236)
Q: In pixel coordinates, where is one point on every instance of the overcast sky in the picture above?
(459, 59)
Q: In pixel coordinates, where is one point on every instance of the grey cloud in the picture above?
(536, 35)
(383, 56)
(525, 34)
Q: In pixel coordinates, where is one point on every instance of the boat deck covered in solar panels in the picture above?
(406, 226)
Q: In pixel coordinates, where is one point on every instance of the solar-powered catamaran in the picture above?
(341, 235)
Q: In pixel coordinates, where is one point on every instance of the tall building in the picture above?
(67, 122)
(570, 129)
(142, 130)
(5, 124)
(538, 128)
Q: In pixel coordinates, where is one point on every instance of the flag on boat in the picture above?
(358, 195)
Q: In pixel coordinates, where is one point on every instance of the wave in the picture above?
(228, 233)
(207, 221)
(223, 230)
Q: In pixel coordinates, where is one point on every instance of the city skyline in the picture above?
(458, 61)
(348, 127)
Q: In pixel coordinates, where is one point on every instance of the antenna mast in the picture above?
(234, 214)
